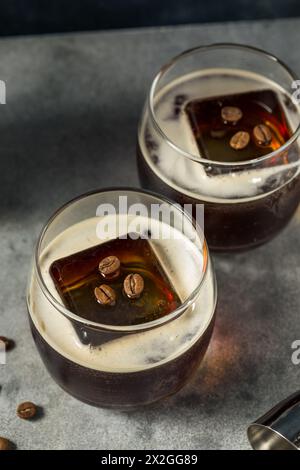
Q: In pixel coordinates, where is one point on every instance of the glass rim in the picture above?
(118, 328)
(167, 66)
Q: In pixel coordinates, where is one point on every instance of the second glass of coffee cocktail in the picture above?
(221, 127)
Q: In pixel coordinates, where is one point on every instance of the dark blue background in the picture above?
(47, 16)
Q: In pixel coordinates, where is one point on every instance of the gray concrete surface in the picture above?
(69, 125)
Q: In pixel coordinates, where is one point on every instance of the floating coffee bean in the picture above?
(240, 140)
(26, 410)
(105, 295)
(9, 343)
(231, 114)
(109, 267)
(5, 444)
(262, 135)
(133, 285)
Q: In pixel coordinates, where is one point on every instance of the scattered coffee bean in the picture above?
(9, 343)
(26, 410)
(240, 140)
(133, 285)
(5, 444)
(109, 267)
(231, 114)
(105, 295)
(262, 135)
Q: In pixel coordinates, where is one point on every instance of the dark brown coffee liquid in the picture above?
(123, 390)
(213, 134)
(77, 275)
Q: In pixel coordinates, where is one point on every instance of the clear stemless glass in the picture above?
(123, 366)
(246, 202)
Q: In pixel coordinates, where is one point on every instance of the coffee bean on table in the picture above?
(262, 135)
(105, 295)
(133, 285)
(5, 444)
(26, 410)
(109, 267)
(240, 140)
(9, 343)
(231, 114)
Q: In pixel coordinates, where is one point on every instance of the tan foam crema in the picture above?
(189, 177)
(183, 261)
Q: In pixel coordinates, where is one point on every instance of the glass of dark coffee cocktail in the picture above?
(121, 297)
(221, 127)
